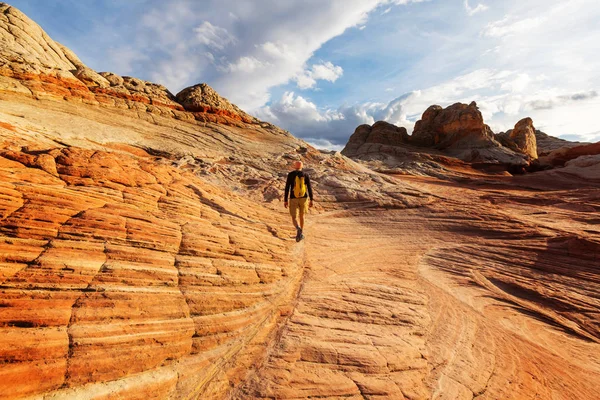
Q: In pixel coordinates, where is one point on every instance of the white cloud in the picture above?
(474, 10)
(512, 98)
(511, 26)
(516, 85)
(323, 144)
(213, 36)
(325, 71)
(245, 65)
(261, 45)
(123, 59)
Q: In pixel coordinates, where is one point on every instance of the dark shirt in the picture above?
(290, 182)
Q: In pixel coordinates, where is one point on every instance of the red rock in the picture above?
(563, 155)
(139, 258)
(381, 132)
(459, 125)
(524, 138)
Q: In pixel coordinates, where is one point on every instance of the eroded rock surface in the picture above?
(457, 131)
(459, 125)
(546, 143)
(145, 253)
(203, 98)
(522, 138)
(377, 138)
(563, 155)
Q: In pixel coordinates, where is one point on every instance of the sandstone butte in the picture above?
(145, 252)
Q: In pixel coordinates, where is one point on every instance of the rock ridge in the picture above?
(457, 130)
(33, 64)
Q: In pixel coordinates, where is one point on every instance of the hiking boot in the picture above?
(299, 235)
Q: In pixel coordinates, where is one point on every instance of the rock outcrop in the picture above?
(457, 131)
(145, 253)
(376, 138)
(202, 98)
(563, 155)
(586, 167)
(521, 139)
(26, 49)
(32, 64)
(546, 143)
(457, 126)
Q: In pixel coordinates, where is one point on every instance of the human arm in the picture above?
(288, 186)
(309, 188)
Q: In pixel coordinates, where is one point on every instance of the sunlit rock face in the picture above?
(145, 251)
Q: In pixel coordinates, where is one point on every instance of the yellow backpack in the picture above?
(299, 187)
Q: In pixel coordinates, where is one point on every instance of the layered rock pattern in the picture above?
(522, 138)
(491, 314)
(546, 143)
(115, 266)
(32, 64)
(563, 155)
(202, 98)
(382, 137)
(145, 253)
(457, 131)
(458, 125)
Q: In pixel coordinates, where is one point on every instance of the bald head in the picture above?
(297, 165)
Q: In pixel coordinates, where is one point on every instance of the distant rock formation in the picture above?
(368, 139)
(202, 98)
(458, 126)
(524, 137)
(33, 64)
(521, 139)
(546, 143)
(563, 155)
(458, 131)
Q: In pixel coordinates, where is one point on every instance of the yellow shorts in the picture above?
(296, 205)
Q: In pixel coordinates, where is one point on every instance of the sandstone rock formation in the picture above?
(587, 167)
(145, 253)
(31, 63)
(457, 131)
(203, 98)
(458, 126)
(563, 155)
(546, 143)
(522, 138)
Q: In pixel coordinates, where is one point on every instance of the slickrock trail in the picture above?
(379, 316)
(145, 252)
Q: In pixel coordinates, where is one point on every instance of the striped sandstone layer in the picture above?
(145, 253)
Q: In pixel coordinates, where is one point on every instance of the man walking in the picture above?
(297, 186)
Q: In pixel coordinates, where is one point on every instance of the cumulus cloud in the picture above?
(501, 107)
(247, 52)
(325, 71)
(303, 118)
(245, 65)
(124, 59)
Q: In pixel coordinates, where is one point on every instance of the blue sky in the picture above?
(320, 68)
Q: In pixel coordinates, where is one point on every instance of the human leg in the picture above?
(293, 207)
(302, 208)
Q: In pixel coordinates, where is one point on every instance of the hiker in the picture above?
(297, 186)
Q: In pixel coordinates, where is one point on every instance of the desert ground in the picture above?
(145, 252)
